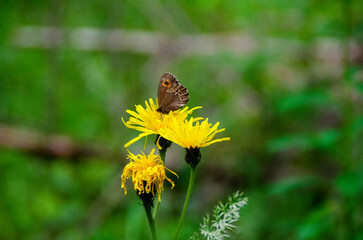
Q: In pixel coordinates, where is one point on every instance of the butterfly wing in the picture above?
(171, 94)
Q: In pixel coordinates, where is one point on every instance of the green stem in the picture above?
(187, 198)
(162, 153)
(156, 209)
(147, 205)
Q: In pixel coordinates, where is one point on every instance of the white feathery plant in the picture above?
(224, 215)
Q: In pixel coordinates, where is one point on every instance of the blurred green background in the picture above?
(284, 78)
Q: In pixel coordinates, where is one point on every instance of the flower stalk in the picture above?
(147, 202)
(186, 201)
(162, 153)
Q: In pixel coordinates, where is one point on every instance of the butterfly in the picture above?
(171, 94)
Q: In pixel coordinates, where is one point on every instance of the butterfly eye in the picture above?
(166, 83)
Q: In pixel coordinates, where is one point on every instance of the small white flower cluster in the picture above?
(224, 215)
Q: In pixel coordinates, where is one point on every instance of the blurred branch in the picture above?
(116, 40)
(147, 42)
(38, 143)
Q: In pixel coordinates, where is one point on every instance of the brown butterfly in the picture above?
(171, 94)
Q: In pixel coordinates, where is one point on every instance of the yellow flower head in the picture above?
(192, 134)
(147, 173)
(148, 121)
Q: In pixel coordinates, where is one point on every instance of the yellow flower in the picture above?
(192, 134)
(147, 173)
(148, 121)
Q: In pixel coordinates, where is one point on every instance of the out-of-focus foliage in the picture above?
(292, 106)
